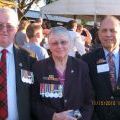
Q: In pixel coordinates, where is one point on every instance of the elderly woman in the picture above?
(62, 89)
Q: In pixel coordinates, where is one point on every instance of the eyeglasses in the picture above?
(8, 27)
(59, 43)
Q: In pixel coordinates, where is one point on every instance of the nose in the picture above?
(108, 33)
(59, 45)
(4, 29)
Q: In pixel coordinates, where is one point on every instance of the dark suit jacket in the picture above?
(102, 87)
(77, 90)
(23, 60)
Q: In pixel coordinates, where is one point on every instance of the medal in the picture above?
(51, 95)
(47, 94)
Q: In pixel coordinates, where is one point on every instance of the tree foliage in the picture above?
(22, 5)
(7, 3)
(50, 1)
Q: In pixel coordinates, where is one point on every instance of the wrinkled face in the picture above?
(59, 45)
(109, 34)
(8, 28)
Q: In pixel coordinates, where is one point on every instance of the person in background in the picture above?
(77, 45)
(39, 21)
(94, 32)
(15, 95)
(62, 86)
(86, 36)
(104, 66)
(35, 34)
(95, 39)
(20, 37)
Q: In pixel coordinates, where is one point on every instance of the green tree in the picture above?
(22, 5)
(50, 1)
(7, 3)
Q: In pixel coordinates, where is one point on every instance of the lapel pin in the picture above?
(20, 64)
(72, 71)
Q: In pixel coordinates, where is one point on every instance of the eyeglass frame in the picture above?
(62, 42)
(7, 25)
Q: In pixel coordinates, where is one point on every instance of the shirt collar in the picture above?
(9, 48)
(34, 43)
(115, 52)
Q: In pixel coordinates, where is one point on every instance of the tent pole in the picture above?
(75, 17)
(95, 18)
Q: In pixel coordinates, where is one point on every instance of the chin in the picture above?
(61, 57)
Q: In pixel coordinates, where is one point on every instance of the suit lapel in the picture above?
(118, 81)
(18, 78)
(70, 75)
(51, 67)
(21, 89)
(100, 55)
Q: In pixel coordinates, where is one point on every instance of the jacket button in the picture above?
(112, 97)
(65, 101)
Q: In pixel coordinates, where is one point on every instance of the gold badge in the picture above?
(50, 77)
(101, 61)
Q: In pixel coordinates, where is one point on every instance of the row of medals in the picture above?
(51, 90)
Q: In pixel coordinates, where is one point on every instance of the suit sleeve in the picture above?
(88, 95)
(87, 59)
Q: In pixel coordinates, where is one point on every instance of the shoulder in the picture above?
(24, 57)
(92, 55)
(23, 52)
(42, 65)
(78, 63)
(20, 34)
(44, 62)
(43, 49)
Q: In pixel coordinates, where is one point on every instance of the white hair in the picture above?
(11, 13)
(59, 30)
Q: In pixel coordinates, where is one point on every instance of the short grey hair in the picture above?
(12, 13)
(59, 30)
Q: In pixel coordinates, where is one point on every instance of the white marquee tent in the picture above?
(83, 7)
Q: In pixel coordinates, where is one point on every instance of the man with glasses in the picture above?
(16, 76)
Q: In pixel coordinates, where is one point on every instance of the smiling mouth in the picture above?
(107, 40)
(5, 35)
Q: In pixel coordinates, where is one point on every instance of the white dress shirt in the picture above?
(11, 84)
(76, 44)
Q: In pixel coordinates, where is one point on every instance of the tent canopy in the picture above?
(83, 7)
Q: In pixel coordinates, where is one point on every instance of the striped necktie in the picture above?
(3, 87)
(112, 70)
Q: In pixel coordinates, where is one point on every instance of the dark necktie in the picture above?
(3, 87)
(112, 70)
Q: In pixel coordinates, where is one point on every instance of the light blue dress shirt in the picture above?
(40, 52)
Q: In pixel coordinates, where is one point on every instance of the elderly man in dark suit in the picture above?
(104, 65)
(62, 89)
(16, 75)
